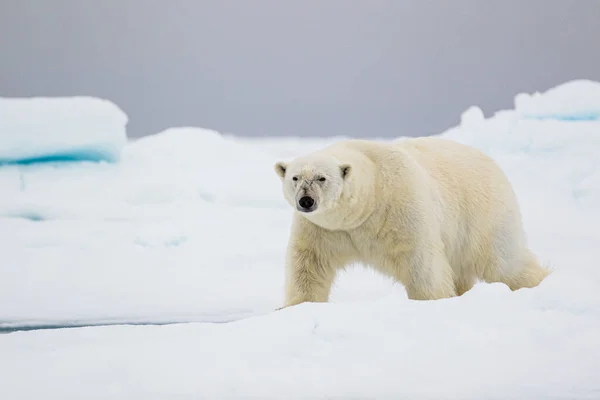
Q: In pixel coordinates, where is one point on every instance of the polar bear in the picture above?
(433, 214)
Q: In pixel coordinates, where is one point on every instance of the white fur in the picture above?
(431, 213)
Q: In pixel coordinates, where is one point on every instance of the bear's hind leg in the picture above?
(530, 275)
(506, 259)
(516, 273)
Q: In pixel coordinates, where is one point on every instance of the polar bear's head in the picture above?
(313, 184)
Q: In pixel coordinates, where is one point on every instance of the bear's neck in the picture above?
(354, 209)
(337, 221)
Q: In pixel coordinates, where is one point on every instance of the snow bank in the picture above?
(60, 129)
(203, 163)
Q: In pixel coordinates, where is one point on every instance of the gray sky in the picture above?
(305, 68)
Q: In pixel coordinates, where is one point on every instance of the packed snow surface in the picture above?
(64, 128)
(189, 229)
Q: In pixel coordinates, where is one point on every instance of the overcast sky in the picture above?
(305, 68)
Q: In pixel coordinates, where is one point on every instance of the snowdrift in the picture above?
(44, 129)
(190, 227)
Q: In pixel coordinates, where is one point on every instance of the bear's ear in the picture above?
(345, 169)
(280, 168)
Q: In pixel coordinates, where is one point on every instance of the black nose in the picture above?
(306, 202)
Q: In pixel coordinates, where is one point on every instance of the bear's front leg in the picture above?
(309, 276)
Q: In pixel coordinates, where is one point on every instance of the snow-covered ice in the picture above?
(571, 101)
(189, 227)
(64, 128)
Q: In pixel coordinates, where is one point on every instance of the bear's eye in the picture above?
(295, 178)
(322, 179)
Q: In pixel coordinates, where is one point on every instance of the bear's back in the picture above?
(458, 167)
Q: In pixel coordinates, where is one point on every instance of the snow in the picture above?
(178, 249)
(64, 128)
